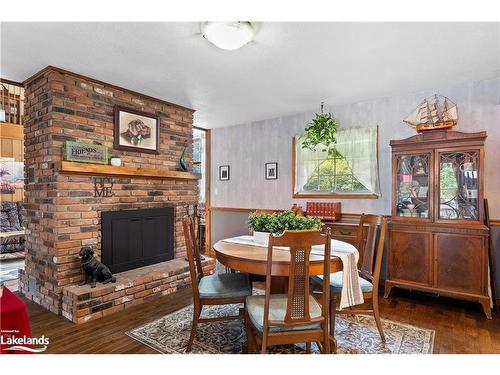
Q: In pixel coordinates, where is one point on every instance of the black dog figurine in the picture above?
(94, 270)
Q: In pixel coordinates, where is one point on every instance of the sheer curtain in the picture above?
(305, 163)
(359, 147)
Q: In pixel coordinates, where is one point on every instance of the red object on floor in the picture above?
(14, 321)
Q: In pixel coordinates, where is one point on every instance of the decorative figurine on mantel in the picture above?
(435, 112)
(182, 160)
(93, 269)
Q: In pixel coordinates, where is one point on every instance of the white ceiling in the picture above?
(288, 68)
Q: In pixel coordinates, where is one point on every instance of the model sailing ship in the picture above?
(435, 112)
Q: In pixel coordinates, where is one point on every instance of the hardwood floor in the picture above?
(460, 326)
(105, 335)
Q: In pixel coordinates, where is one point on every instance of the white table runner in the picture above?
(348, 254)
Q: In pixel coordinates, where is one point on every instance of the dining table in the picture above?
(252, 259)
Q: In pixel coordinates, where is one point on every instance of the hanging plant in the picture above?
(320, 131)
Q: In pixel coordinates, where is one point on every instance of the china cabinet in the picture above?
(437, 238)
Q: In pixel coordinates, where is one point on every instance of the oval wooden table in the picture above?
(253, 260)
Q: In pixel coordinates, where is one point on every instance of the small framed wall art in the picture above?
(136, 131)
(86, 152)
(272, 171)
(224, 173)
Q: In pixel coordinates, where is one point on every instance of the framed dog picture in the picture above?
(136, 131)
(224, 173)
(272, 171)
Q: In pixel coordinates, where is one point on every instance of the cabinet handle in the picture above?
(345, 232)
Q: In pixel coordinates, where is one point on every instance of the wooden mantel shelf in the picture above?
(109, 170)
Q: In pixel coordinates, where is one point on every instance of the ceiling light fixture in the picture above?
(228, 35)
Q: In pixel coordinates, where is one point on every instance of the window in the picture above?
(350, 170)
(332, 174)
(199, 150)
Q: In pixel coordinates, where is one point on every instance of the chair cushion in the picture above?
(225, 285)
(336, 283)
(9, 217)
(277, 311)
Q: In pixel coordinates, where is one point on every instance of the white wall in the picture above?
(247, 147)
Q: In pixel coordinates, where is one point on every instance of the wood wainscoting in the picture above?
(270, 210)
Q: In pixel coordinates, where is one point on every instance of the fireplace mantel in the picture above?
(109, 170)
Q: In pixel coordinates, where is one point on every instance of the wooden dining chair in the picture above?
(295, 317)
(217, 289)
(369, 264)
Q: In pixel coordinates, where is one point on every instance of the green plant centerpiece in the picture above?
(276, 223)
(320, 131)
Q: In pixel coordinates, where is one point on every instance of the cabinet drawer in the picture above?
(346, 233)
(338, 229)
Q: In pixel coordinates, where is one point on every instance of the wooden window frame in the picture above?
(320, 195)
(208, 160)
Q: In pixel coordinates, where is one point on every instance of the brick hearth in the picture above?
(81, 304)
(62, 212)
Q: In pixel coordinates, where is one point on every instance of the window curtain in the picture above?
(359, 147)
(305, 163)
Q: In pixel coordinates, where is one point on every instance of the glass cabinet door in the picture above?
(412, 185)
(459, 185)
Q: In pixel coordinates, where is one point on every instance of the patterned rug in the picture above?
(355, 335)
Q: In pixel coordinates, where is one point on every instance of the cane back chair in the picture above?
(295, 317)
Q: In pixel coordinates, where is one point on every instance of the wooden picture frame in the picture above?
(271, 171)
(136, 130)
(224, 173)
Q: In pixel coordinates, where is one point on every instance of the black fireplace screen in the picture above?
(137, 238)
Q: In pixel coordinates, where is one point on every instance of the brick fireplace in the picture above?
(62, 210)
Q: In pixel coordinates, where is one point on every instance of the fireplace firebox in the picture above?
(137, 238)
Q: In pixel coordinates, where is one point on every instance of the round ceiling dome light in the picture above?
(228, 35)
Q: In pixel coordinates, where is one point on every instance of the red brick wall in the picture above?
(61, 209)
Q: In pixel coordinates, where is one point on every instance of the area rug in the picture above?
(355, 335)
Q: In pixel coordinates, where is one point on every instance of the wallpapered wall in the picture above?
(247, 147)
